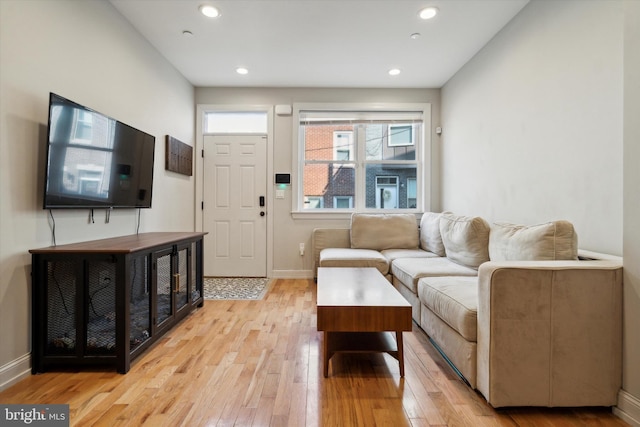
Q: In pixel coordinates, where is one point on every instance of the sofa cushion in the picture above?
(430, 237)
(454, 300)
(555, 240)
(348, 257)
(410, 270)
(384, 231)
(465, 239)
(393, 254)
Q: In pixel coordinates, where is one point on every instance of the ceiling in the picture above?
(319, 43)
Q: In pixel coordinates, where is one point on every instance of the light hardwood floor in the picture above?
(258, 363)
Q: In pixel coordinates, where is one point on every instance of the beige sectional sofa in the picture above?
(519, 315)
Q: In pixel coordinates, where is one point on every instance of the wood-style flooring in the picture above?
(258, 363)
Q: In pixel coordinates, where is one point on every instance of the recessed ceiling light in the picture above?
(242, 70)
(394, 71)
(209, 11)
(428, 12)
(415, 36)
(187, 33)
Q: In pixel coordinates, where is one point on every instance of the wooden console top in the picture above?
(122, 244)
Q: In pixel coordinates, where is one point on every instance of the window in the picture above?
(343, 145)
(360, 158)
(235, 122)
(344, 202)
(313, 202)
(401, 135)
(412, 192)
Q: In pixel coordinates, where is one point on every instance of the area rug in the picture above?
(235, 288)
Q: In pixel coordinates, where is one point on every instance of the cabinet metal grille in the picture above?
(195, 289)
(182, 296)
(139, 305)
(101, 298)
(61, 307)
(163, 274)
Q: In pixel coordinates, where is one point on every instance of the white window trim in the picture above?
(424, 156)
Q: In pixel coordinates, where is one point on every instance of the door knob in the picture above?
(262, 213)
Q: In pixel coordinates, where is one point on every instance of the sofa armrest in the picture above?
(322, 238)
(550, 333)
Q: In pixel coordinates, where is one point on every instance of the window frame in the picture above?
(422, 162)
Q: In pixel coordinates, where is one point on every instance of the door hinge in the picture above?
(202, 205)
(202, 153)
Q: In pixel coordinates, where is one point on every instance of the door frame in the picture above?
(201, 110)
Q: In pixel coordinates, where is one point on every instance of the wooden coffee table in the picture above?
(355, 308)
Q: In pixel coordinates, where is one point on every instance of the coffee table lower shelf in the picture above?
(363, 342)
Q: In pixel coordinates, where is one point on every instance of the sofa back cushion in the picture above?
(465, 239)
(555, 240)
(384, 231)
(430, 237)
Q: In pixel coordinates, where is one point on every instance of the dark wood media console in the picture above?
(104, 302)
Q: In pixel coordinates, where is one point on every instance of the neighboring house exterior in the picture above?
(333, 152)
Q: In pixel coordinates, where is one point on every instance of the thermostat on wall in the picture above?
(283, 178)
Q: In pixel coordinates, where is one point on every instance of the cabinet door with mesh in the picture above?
(139, 305)
(194, 283)
(164, 306)
(101, 307)
(61, 307)
(182, 278)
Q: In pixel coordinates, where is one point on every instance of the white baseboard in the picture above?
(628, 408)
(15, 371)
(292, 274)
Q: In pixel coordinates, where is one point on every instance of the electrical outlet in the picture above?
(301, 249)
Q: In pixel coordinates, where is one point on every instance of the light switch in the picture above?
(279, 194)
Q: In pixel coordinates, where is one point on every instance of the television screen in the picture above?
(94, 161)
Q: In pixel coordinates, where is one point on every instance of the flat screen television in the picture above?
(94, 161)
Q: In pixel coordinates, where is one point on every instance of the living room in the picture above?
(539, 125)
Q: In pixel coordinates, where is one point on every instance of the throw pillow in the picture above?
(465, 239)
(430, 237)
(555, 240)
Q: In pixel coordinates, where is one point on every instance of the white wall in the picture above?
(289, 232)
(631, 351)
(532, 125)
(533, 130)
(85, 51)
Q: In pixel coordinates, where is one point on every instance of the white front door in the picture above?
(234, 212)
(387, 192)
